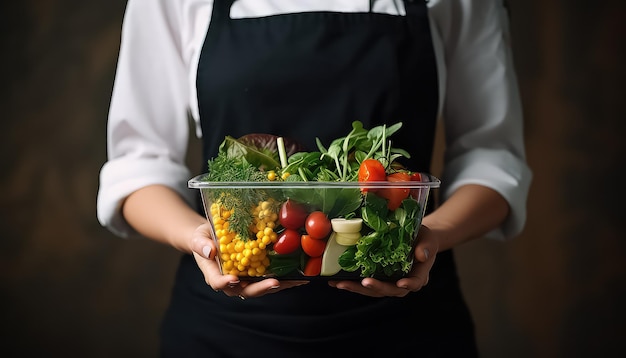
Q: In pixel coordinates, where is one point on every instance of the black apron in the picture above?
(305, 76)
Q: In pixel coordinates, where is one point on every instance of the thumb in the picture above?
(202, 243)
(427, 245)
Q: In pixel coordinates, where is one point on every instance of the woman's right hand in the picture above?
(204, 251)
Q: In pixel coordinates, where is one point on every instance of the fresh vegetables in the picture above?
(240, 256)
(317, 225)
(288, 242)
(330, 258)
(395, 196)
(314, 230)
(311, 246)
(348, 231)
(387, 247)
(292, 214)
(371, 170)
(313, 266)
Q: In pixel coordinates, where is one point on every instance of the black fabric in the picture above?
(302, 76)
(315, 319)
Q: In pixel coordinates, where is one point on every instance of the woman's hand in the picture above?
(204, 251)
(425, 252)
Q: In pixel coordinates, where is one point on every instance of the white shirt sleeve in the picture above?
(148, 122)
(482, 112)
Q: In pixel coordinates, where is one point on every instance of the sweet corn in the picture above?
(245, 256)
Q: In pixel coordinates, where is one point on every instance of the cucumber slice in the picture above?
(330, 257)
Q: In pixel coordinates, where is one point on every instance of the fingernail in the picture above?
(426, 253)
(206, 251)
(232, 284)
(274, 287)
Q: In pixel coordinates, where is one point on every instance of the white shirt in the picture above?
(154, 95)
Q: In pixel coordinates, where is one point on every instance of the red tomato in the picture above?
(313, 267)
(312, 247)
(399, 176)
(288, 242)
(395, 196)
(292, 215)
(371, 170)
(317, 225)
(415, 192)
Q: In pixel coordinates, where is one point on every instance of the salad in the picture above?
(346, 211)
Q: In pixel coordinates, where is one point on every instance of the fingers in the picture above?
(263, 287)
(212, 273)
(371, 287)
(250, 290)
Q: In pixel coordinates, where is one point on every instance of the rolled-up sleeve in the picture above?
(481, 106)
(148, 121)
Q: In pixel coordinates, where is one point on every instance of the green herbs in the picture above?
(386, 250)
(341, 160)
(223, 168)
(348, 152)
(229, 168)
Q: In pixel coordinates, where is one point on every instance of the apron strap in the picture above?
(415, 7)
(221, 10)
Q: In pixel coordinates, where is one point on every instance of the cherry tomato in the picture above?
(415, 192)
(416, 176)
(292, 215)
(371, 170)
(288, 242)
(317, 225)
(395, 196)
(313, 267)
(312, 247)
(399, 176)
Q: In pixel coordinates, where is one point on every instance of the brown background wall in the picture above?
(68, 287)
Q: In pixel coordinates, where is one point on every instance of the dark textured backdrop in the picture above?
(69, 288)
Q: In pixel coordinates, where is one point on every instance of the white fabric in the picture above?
(154, 95)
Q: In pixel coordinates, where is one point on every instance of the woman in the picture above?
(307, 69)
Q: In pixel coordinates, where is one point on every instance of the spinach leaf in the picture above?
(347, 261)
(373, 220)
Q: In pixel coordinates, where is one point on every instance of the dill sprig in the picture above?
(240, 201)
(224, 168)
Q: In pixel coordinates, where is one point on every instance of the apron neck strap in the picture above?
(221, 9)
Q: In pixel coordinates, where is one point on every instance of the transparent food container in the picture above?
(315, 230)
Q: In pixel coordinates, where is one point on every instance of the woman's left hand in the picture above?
(204, 250)
(425, 252)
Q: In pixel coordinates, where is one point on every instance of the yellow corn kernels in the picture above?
(245, 256)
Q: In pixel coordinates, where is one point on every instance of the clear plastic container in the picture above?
(315, 230)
